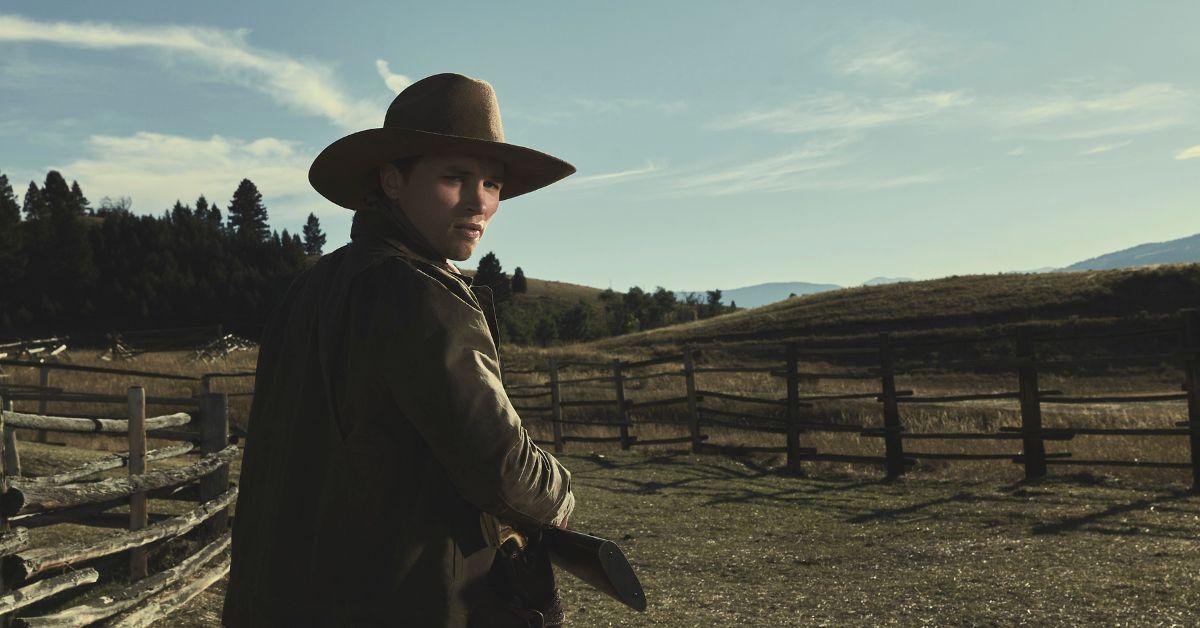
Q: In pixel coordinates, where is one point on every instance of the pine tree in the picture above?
(314, 238)
(12, 256)
(519, 285)
(488, 270)
(201, 209)
(61, 266)
(248, 215)
(34, 205)
(59, 201)
(714, 302)
(490, 274)
(180, 213)
(81, 202)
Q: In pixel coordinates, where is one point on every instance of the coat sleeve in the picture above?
(444, 375)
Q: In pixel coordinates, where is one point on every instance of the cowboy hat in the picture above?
(438, 113)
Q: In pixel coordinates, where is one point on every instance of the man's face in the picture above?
(450, 197)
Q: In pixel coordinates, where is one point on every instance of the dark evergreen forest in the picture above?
(68, 267)
(74, 268)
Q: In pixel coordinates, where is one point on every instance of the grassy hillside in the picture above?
(958, 306)
(569, 293)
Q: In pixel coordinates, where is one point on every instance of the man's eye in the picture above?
(492, 184)
(453, 177)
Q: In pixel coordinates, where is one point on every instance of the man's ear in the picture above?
(390, 180)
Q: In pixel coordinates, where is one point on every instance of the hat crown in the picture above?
(448, 104)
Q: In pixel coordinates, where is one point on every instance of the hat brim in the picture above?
(349, 167)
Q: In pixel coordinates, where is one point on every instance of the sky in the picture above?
(718, 144)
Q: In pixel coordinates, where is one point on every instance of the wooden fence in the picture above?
(200, 425)
(31, 572)
(41, 347)
(787, 416)
(206, 343)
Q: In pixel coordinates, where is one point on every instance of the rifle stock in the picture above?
(596, 561)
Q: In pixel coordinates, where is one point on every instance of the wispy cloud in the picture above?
(772, 174)
(303, 85)
(592, 181)
(395, 82)
(816, 165)
(1018, 151)
(896, 53)
(1104, 148)
(1081, 111)
(843, 112)
(1188, 153)
(156, 169)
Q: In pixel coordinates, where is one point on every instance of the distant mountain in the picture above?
(1183, 250)
(879, 281)
(764, 293)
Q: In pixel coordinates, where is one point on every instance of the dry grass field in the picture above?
(736, 541)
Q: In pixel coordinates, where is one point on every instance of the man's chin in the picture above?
(461, 255)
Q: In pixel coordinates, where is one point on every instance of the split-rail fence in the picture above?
(545, 401)
(195, 426)
(198, 425)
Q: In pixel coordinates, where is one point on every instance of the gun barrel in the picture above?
(596, 561)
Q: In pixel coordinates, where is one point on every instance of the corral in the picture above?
(740, 538)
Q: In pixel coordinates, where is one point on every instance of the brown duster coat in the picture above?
(378, 434)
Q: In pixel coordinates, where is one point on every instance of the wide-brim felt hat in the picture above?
(443, 112)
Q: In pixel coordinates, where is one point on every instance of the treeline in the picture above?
(547, 321)
(69, 267)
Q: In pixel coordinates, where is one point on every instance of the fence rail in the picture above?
(793, 422)
(30, 574)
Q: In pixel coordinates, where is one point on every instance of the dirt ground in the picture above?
(722, 542)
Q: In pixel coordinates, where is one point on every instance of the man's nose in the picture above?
(476, 199)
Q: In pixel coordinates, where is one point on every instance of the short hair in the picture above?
(403, 164)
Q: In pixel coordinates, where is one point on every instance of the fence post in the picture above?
(214, 436)
(893, 439)
(3, 499)
(1034, 446)
(689, 371)
(43, 383)
(622, 411)
(138, 515)
(1191, 379)
(12, 456)
(793, 410)
(6, 404)
(556, 406)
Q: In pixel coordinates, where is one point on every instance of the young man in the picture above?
(383, 452)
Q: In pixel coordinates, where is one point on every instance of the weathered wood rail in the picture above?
(786, 413)
(29, 573)
(200, 459)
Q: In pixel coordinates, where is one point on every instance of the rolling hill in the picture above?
(957, 306)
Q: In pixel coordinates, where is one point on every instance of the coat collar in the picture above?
(377, 227)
